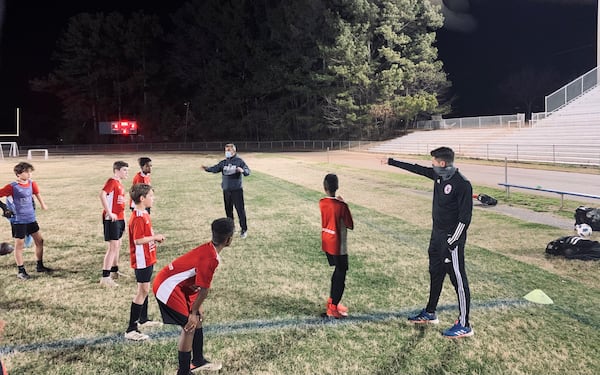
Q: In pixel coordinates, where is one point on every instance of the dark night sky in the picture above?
(507, 35)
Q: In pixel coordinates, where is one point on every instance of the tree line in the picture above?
(256, 70)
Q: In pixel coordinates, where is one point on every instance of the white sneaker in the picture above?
(244, 234)
(108, 282)
(136, 336)
(149, 324)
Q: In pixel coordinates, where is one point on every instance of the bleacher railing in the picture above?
(573, 154)
(498, 121)
(243, 146)
(571, 91)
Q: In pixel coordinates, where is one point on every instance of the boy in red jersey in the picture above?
(24, 222)
(181, 288)
(112, 197)
(142, 252)
(335, 220)
(142, 177)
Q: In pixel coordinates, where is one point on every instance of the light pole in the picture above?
(187, 110)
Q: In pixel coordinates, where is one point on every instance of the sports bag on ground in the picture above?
(589, 216)
(572, 247)
(486, 200)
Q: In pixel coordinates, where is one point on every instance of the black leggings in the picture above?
(338, 279)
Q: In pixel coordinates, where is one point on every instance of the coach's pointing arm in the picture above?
(414, 168)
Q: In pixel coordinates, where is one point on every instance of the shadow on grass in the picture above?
(397, 365)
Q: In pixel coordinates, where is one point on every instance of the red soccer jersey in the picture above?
(115, 195)
(139, 178)
(140, 226)
(177, 284)
(335, 219)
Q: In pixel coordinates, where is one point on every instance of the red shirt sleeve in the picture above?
(205, 273)
(6, 191)
(138, 228)
(347, 216)
(34, 187)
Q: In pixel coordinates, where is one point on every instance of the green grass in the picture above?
(279, 274)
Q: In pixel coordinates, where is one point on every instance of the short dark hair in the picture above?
(119, 164)
(222, 229)
(22, 167)
(330, 183)
(443, 153)
(138, 191)
(144, 160)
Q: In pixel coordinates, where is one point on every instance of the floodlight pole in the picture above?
(18, 118)
(187, 110)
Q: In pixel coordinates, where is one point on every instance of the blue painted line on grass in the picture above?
(253, 325)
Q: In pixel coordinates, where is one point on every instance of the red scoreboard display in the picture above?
(121, 127)
(124, 127)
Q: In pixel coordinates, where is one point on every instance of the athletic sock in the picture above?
(134, 316)
(21, 269)
(184, 359)
(105, 273)
(144, 311)
(198, 347)
(114, 269)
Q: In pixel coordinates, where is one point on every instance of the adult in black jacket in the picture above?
(451, 212)
(232, 168)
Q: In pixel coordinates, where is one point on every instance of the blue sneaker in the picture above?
(458, 331)
(424, 318)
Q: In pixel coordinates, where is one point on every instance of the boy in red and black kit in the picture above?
(335, 220)
(112, 197)
(142, 252)
(180, 289)
(142, 177)
(451, 214)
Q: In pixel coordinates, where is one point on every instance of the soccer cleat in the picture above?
(43, 269)
(458, 331)
(333, 312)
(424, 318)
(244, 234)
(341, 308)
(108, 282)
(207, 366)
(136, 336)
(149, 324)
(23, 275)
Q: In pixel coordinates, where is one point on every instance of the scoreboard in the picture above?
(122, 127)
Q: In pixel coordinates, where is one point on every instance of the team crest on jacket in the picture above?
(447, 189)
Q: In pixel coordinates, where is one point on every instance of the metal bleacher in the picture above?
(569, 135)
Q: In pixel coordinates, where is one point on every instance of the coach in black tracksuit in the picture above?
(451, 212)
(232, 169)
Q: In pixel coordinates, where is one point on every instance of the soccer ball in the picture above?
(583, 230)
(6, 248)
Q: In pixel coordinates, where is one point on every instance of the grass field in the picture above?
(262, 316)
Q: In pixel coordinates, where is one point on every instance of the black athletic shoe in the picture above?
(43, 269)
